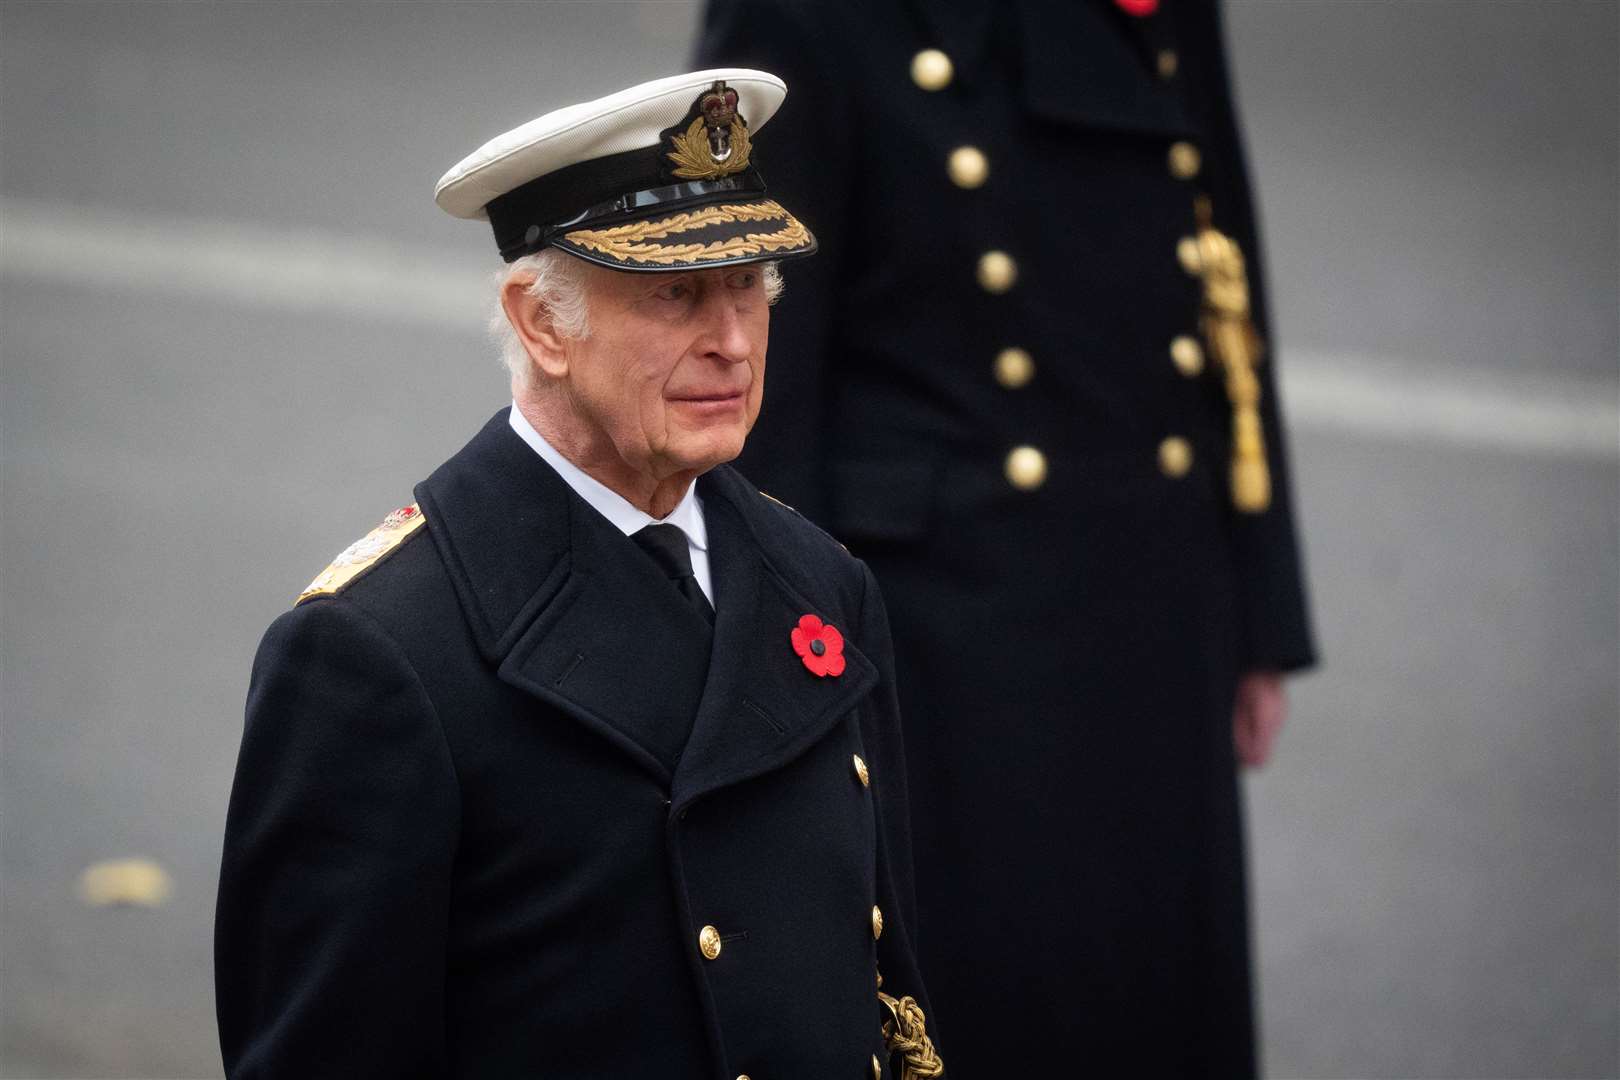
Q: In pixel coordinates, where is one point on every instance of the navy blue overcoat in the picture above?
(993, 385)
(504, 808)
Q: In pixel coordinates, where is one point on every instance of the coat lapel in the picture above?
(760, 706)
(565, 606)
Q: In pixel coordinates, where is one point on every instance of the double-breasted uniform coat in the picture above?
(476, 830)
(993, 385)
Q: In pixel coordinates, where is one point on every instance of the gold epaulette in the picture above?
(365, 552)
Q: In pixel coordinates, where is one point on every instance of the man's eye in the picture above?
(675, 290)
(744, 280)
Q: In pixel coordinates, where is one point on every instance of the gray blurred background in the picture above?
(234, 331)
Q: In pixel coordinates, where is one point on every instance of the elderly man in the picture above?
(587, 763)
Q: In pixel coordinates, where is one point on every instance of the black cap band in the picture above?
(530, 216)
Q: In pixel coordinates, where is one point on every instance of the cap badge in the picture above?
(715, 143)
(819, 645)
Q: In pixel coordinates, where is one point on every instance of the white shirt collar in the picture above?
(626, 517)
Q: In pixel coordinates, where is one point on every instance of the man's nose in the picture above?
(727, 335)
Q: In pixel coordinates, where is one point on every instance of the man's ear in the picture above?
(532, 322)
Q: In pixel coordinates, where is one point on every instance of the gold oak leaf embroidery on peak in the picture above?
(636, 240)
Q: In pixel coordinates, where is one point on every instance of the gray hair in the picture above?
(559, 286)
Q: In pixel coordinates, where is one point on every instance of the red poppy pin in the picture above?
(819, 645)
(1139, 8)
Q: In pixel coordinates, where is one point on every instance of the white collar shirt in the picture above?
(627, 518)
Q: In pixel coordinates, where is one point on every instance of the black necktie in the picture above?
(666, 544)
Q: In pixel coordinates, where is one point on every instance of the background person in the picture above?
(1024, 383)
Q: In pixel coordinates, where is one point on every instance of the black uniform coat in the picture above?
(470, 836)
(1067, 654)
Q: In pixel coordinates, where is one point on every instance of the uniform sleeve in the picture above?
(329, 936)
(1277, 632)
(897, 951)
(806, 162)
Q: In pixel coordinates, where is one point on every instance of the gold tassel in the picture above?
(1229, 329)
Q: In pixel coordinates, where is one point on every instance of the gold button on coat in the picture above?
(1187, 355)
(877, 922)
(1175, 456)
(932, 69)
(862, 773)
(1188, 255)
(1185, 160)
(997, 271)
(968, 167)
(709, 942)
(1168, 62)
(1014, 368)
(1026, 468)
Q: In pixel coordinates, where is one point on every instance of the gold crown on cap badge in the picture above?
(715, 143)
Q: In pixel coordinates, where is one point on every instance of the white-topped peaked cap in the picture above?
(628, 120)
(661, 176)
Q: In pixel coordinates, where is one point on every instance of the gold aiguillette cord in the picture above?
(905, 1032)
(1229, 330)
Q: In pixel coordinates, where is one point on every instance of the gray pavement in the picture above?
(233, 363)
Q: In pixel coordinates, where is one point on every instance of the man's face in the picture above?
(674, 368)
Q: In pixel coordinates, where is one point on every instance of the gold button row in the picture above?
(997, 272)
(932, 70)
(1025, 466)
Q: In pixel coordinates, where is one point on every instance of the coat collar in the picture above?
(566, 609)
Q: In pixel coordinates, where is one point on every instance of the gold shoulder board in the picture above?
(365, 552)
